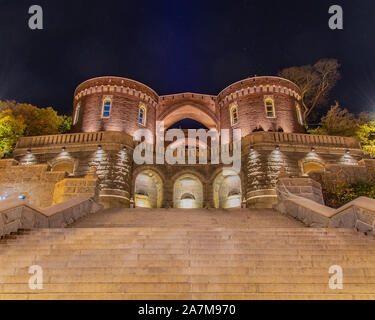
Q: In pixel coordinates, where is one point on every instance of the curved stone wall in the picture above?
(250, 96)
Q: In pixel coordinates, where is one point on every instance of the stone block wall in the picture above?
(346, 174)
(75, 187)
(35, 182)
(302, 187)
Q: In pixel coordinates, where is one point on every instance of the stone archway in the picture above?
(191, 111)
(64, 164)
(312, 166)
(148, 192)
(227, 190)
(188, 192)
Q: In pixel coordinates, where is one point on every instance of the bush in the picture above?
(338, 194)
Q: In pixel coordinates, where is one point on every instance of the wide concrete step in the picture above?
(187, 296)
(198, 254)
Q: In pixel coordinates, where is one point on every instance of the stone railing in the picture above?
(73, 138)
(302, 199)
(16, 214)
(359, 214)
(280, 138)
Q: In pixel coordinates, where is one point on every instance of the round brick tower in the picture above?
(114, 104)
(261, 104)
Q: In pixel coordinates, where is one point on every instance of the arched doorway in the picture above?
(311, 166)
(188, 192)
(148, 191)
(227, 190)
(190, 111)
(65, 165)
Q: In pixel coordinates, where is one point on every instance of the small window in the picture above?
(76, 115)
(270, 107)
(234, 114)
(142, 117)
(299, 115)
(107, 107)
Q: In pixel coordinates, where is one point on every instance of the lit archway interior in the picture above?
(64, 167)
(188, 192)
(148, 190)
(312, 166)
(227, 190)
(189, 112)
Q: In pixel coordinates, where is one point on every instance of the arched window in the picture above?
(76, 115)
(142, 117)
(107, 107)
(299, 114)
(270, 107)
(234, 114)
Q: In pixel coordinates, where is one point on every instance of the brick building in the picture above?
(108, 111)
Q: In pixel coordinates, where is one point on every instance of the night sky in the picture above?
(180, 46)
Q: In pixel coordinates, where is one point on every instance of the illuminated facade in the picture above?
(109, 110)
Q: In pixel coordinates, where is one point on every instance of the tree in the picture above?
(18, 120)
(340, 122)
(11, 129)
(66, 124)
(38, 121)
(315, 82)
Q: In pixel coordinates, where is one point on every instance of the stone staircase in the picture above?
(187, 254)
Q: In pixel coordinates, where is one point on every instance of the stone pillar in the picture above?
(114, 169)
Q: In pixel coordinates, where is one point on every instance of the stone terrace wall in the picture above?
(35, 182)
(346, 174)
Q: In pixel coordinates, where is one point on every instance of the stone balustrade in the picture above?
(74, 139)
(280, 138)
(16, 214)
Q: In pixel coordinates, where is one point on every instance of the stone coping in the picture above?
(13, 203)
(362, 202)
(66, 205)
(314, 206)
(16, 214)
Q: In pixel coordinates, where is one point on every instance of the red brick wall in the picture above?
(125, 105)
(252, 111)
(124, 113)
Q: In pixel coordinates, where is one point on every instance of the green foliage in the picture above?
(339, 194)
(11, 129)
(315, 81)
(65, 124)
(21, 120)
(340, 122)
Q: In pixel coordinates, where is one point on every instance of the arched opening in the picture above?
(189, 112)
(227, 190)
(188, 123)
(148, 190)
(188, 192)
(312, 166)
(63, 167)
